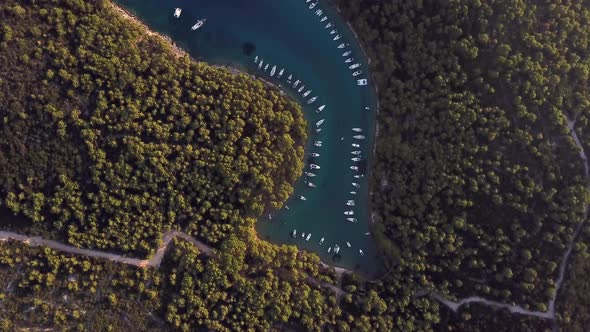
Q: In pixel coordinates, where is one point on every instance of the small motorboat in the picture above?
(333, 31)
(317, 143)
(337, 37)
(198, 24)
(313, 5)
(336, 249)
(350, 202)
(358, 137)
(358, 176)
(256, 59)
(349, 60)
(329, 25)
(312, 100)
(273, 71)
(318, 130)
(266, 67)
(281, 73)
(308, 237)
(314, 166)
(354, 66)
(353, 192)
(296, 84)
(319, 12)
(354, 168)
(301, 88)
(177, 12)
(260, 63)
(356, 160)
(303, 235)
(311, 185)
(356, 153)
(321, 108)
(347, 53)
(269, 216)
(302, 198)
(324, 18)
(321, 241)
(356, 185)
(367, 233)
(290, 78)
(354, 145)
(361, 252)
(358, 130)
(343, 45)
(351, 219)
(362, 82)
(349, 213)
(287, 207)
(306, 93)
(311, 175)
(319, 123)
(348, 244)
(329, 249)
(314, 154)
(357, 73)
(294, 234)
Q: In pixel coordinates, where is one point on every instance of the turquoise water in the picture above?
(288, 34)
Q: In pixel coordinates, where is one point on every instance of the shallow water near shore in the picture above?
(289, 35)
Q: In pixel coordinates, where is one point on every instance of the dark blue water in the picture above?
(288, 34)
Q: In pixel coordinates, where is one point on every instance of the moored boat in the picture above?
(312, 100)
(256, 59)
(337, 37)
(321, 108)
(358, 130)
(308, 237)
(321, 241)
(354, 66)
(324, 18)
(351, 219)
(350, 202)
(272, 72)
(199, 24)
(358, 137)
(361, 252)
(356, 152)
(319, 123)
(311, 175)
(356, 185)
(356, 159)
(362, 82)
(314, 166)
(294, 234)
(354, 168)
(357, 73)
(281, 73)
(315, 154)
(354, 145)
(347, 53)
(317, 143)
(177, 12)
(260, 63)
(301, 88)
(301, 197)
(349, 213)
(348, 244)
(306, 93)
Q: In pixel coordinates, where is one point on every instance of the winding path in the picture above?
(550, 313)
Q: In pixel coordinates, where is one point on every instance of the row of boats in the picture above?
(356, 158)
(336, 247)
(196, 26)
(347, 53)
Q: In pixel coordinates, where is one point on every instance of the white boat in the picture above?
(336, 249)
(354, 168)
(311, 175)
(362, 82)
(361, 252)
(315, 154)
(177, 12)
(358, 130)
(357, 73)
(356, 160)
(321, 241)
(281, 73)
(306, 93)
(367, 233)
(353, 192)
(294, 233)
(358, 137)
(354, 66)
(333, 31)
(337, 37)
(319, 123)
(349, 213)
(287, 207)
(311, 185)
(356, 185)
(347, 53)
(303, 235)
(350, 202)
(296, 84)
(269, 217)
(302, 198)
(260, 63)
(324, 18)
(318, 130)
(198, 24)
(301, 88)
(351, 219)
(308, 237)
(328, 25)
(356, 153)
(266, 67)
(273, 71)
(256, 59)
(349, 60)
(354, 145)
(329, 249)
(348, 244)
(321, 108)
(358, 176)
(312, 100)
(313, 5)
(314, 166)
(290, 78)
(317, 143)
(343, 45)
(319, 12)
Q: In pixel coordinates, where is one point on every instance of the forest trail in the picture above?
(550, 313)
(155, 260)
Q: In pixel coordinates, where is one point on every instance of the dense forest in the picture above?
(109, 138)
